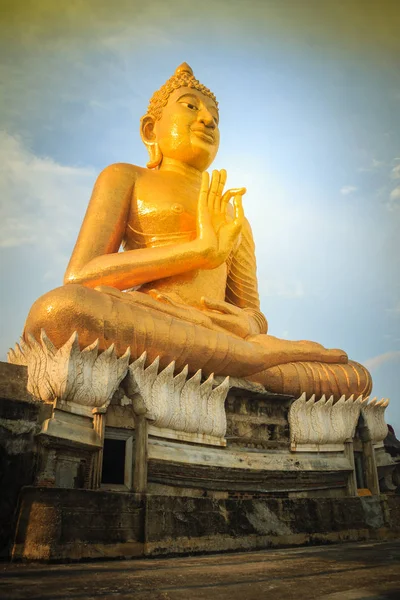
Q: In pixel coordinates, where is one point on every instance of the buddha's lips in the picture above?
(206, 135)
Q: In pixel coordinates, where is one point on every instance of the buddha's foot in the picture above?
(284, 351)
(318, 378)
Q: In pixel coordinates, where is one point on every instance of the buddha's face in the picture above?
(188, 128)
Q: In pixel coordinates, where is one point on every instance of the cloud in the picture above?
(283, 288)
(377, 164)
(375, 362)
(318, 23)
(42, 202)
(374, 165)
(394, 198)
(396, 171)
(348, 189)
(395, 310)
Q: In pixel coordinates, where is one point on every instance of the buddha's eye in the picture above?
(191, 106)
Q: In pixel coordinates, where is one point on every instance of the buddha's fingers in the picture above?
(171, 298)
(218, 196)
(213, 190)
(221, 306)
(238, 206)
(229, 195)
(106, 289)
(203, 214)
(205, 183)
(225, 200)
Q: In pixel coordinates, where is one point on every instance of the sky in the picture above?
(309, 96)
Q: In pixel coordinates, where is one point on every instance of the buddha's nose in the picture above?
(205, 117)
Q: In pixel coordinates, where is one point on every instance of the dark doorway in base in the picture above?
(113, 461)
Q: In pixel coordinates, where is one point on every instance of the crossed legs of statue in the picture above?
(183, 335)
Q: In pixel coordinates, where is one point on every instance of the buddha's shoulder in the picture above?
(122, 170)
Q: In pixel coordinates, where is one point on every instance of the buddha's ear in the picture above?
(147, 132)
(149, 139)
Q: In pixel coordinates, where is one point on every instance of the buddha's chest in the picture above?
(161, 213)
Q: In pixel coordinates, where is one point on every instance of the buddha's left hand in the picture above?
(230, 317)
(223, 316)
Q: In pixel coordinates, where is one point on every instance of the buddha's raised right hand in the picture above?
(217, 232)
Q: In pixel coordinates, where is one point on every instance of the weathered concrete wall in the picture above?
(393, 507)
(65, 524)
(20, 418)
(61, 524)
(208, 525)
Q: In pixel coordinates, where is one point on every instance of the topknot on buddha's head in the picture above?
(183, 77)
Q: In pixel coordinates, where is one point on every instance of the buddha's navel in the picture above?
(177, 208)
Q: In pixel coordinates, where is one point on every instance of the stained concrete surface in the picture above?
(362, 571)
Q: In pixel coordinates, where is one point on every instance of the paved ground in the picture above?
(364, 571)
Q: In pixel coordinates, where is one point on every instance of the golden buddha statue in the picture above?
(185, 286)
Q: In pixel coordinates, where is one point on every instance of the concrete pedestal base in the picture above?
(59, 524)
(251, 490)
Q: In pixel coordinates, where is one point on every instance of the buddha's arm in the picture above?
(96, 261)
(241, 287)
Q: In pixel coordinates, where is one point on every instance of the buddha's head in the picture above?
(181, 122)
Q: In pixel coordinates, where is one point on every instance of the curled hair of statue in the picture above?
(183, 77)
